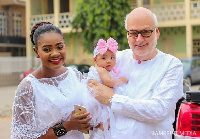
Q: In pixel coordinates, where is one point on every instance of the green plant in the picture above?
(102, 19)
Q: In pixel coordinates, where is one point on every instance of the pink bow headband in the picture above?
(103, 46)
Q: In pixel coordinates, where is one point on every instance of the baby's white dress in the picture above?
(103, 110)
(39, 104)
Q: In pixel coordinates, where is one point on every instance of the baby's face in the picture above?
(107, 60)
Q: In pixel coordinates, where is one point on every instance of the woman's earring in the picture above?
(38, 56)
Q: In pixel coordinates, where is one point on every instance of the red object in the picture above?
(139, 61)
(188, 120)
(23, 75)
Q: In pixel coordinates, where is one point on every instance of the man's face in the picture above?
(143, 47)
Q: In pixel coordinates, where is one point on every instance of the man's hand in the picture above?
(101, 92)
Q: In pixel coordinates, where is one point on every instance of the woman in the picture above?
(44, 101)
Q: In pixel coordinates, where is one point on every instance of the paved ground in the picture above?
(6, 100)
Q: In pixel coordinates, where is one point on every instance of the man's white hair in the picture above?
(154, 17)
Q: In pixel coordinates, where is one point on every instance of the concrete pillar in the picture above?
(10, 21)
(152, 2)
(56, 6)
(139, 3)
(71, 6)
(189, 44)
(29, 47)
(28, 28)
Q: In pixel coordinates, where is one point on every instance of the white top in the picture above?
(103, 110)
(146, 109)
(41, 103)
(93, 74)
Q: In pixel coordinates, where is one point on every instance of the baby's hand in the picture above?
(100, 126)
(124, 79)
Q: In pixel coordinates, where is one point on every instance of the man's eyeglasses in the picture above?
(144, 33)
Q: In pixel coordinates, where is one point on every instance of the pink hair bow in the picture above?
(103, 46)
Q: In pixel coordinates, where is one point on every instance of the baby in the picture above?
(104, 72)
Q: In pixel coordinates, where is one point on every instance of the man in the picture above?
(146, 108)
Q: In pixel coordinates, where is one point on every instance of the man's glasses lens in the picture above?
(144, 33)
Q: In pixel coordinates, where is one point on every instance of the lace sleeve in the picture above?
(23, 117)
(78, 74)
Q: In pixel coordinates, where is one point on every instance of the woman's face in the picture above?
(51, 50)
(107, 60)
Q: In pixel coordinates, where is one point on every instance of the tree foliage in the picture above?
(102, 19)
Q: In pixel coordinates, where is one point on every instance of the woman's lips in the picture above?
(57, 61)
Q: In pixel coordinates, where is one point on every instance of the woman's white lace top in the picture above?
(41, 103)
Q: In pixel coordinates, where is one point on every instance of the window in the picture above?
(196, 47)
(146, 2)
(50, 7)
(198, 63)
(64, 6)
(193, 65)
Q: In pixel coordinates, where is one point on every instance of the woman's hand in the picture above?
(101, 92)
(78, 122)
